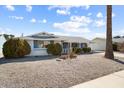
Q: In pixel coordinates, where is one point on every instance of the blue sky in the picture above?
(84, 21)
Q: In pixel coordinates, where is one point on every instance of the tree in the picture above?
(117, 37)
(109, 48)
(15, 47)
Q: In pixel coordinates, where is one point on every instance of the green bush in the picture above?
(16, 47)
(86, 49)
(58, 49)
(77, 50)
(50, 48)
(115, 47)
(54, 49)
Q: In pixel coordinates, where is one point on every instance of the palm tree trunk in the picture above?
(109, 48)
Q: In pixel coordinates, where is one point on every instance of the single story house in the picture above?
(118, 40)
(99, 44)
(39, 41)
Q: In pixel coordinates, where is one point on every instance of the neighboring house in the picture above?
(2, 40)
(98, 44)
(39, 41)
(118, 40)
(120, 43)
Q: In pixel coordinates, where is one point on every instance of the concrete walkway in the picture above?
(115, 80)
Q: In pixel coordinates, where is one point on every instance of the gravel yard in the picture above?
(36, 72)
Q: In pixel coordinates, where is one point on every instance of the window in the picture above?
(38, 44)
(74, 45)
(83, 45)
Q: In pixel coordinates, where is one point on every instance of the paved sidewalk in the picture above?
(115, 80)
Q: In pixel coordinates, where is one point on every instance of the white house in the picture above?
(2, 40)
(118, 40)
(39, 41)
(98, 44)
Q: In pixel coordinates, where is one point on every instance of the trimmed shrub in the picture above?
(15, 47)
(86, 49)
(50, 48)
(54, 49)
(77, 50)
(57, 49)
(115, 47)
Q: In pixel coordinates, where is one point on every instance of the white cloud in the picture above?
(76, 24)
(113, 15)
(33, 20)
(29, 8)
(65, 10)
(100, 23)
(99, 15)
(101, 35)
(68, 6)
(2, 31)
(44, 20)
(81, 19)
(10, 7)
(5, 30)
(68, 26)
(8, 29)
(89, 14)
(61, 33)
(118, 32)
(17, 17)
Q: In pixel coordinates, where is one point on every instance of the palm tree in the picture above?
(109, 48)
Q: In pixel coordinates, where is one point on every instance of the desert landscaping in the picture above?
(42, 72)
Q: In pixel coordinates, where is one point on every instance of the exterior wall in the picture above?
(67, 49)
(38, 52)
(43, 51)
(98, 45)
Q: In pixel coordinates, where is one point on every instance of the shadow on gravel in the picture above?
(119, 61)
(26, 59)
